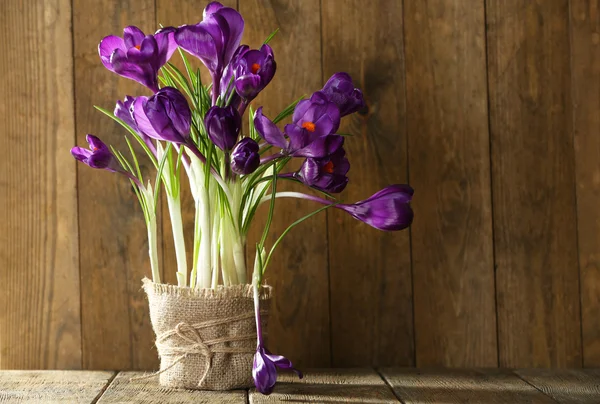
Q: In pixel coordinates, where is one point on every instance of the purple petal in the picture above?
(123, 111)
(282, 362)
(142, 73)
(147, 53)
(248, 86)
(198, 41)
(235, 23)
(165, 39)
(211, 8)
(95, 143)
(106, 48)
(264, 373)
(268, 130)
(142, 121)
(300, 110)
(133, 36)
(80, 153)
(320, 147)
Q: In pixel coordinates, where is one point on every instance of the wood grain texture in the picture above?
(565, 386)
(585, 81)
(148, 391)
(448, 149)
(40, 325)
(48, 387)
(329, 386)
(414, 386)
(535, 231)
(299, 320)
(176, 13)
(370, 274)
(113, 243)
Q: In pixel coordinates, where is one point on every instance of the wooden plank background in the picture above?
(490, 110)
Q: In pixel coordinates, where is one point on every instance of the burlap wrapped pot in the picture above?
(206, 338)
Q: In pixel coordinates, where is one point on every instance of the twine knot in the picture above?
(185, 340)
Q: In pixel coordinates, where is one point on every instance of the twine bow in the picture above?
(169, 343)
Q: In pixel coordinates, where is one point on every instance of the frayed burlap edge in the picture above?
(221, 292)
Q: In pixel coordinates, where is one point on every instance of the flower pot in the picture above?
(206, 338)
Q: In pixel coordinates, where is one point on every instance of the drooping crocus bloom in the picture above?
(223, 126)
(264, 368)
(138, 56)
(214, 40)
(244, 157)
(388, 209)
(340, 90)
(251, 70)
(326, 174)
(310, 135)
(164, 116)
(98, 155)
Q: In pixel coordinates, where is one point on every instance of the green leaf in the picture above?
(271, 212)
(159, 172)
(135, 160)
(271, 36)
(188, 69)
(180, 79)
(290, 227)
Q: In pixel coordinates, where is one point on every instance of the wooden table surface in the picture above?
(390, 385)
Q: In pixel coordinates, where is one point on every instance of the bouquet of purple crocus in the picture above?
(199, 127)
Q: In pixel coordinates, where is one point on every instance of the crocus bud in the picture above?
(223, 126)
(164, 116)
(253, 70)
(97, 156)
(388, 209)
(326, 174)
(340, 90)
(244, 157)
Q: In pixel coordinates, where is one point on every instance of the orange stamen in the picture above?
(309, 126)
(255, 68)
(138, 47)
(328, 168)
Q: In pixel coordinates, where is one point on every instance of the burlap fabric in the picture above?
(206, 338)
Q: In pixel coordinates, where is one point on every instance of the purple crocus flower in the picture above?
(340, 90)
(388, 209)
(312, 132)
(317, 115)
(326, 174)
(264, 368)
(214, 40)
(223, 126)
(138, 56)
(244, 156)
(251, 70)
(164, 116)
(98, 155)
